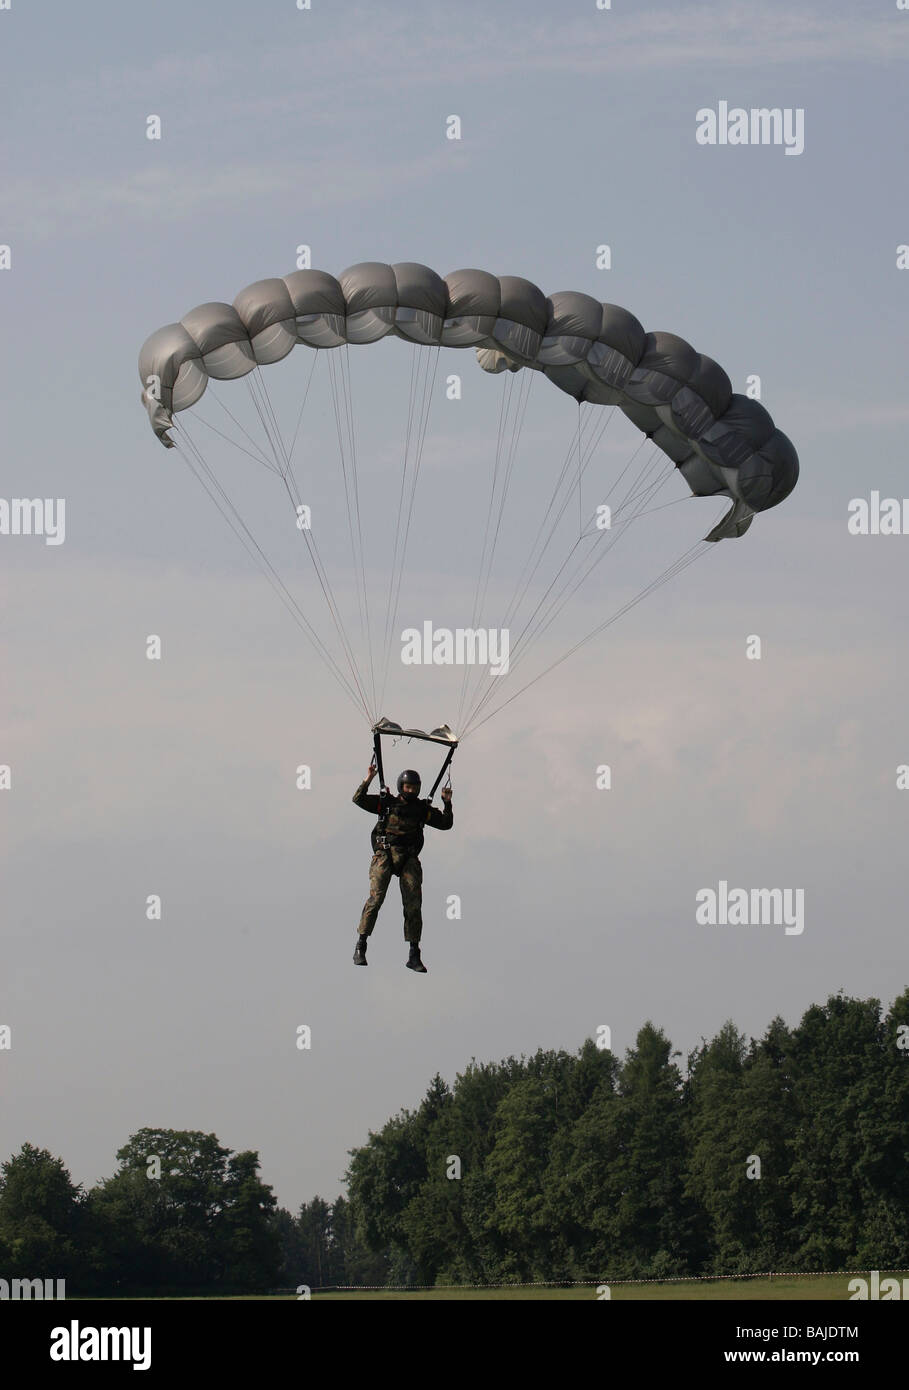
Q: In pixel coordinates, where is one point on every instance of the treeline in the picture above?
(791, 1152)
(788, 1152)
(182, 1215)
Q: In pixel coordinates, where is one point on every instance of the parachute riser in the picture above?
(377, 758)
(442, 772)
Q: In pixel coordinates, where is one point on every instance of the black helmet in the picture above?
(408, 775)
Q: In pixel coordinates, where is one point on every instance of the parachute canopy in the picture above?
(722, 442)
(678, 400)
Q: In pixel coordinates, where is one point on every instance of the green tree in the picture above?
(842, 1130)
(884, 1238)
(39, 1216)
(292, 1247)
(740, 1116)
(355, 1262)
(314, 1225)
(527, 1122)
(626, 1174)
(383, 1178)
(248, 1241)
(205, 1222)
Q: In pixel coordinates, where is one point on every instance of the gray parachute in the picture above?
(722, 443)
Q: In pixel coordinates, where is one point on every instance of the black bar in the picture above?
(202, 1337)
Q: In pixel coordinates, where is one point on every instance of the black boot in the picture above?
(414, 962)
(360, 952)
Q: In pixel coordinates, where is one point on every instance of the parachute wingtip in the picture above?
(734, 524)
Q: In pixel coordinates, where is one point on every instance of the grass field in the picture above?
(829, 1287)
(780, 1289)
(783, 1288)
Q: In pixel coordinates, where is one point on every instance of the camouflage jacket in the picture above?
(404, 820)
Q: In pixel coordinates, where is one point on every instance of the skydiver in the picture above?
(397, 839)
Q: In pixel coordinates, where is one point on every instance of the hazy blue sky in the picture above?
(327, 127)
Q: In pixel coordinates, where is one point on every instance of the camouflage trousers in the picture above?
(407, 866)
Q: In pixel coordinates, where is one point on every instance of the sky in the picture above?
(326, 127)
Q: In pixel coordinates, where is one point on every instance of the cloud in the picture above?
(177, 192)
(325, 99)
(342, 66)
